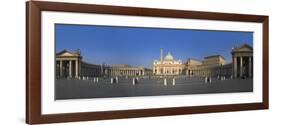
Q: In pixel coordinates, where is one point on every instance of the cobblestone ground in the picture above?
(78, 89)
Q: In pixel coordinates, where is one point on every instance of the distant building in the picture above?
(126, 70)
(167, 66)
(213, 61)
(210, 66)
(241, 65)
(191, 66)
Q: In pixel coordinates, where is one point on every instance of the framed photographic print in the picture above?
(94, 62)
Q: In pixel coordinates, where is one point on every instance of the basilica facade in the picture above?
(167, 65)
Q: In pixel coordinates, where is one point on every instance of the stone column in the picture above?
(250, 66)
(169, 70)
(234, 66)
(241, 66)
(70, 68)
(76, 68)
(79, 67)
(158, 70)
(60, 67)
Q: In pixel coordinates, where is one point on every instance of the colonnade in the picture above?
(125, 72)
(167, 70)
(68, 67)
(242, 66)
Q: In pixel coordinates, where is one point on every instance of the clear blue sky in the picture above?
(141, 46)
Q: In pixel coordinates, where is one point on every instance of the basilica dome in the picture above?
(169, 56)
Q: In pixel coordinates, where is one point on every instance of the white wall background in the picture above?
(12, 64)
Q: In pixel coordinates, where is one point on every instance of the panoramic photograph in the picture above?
(95, 61)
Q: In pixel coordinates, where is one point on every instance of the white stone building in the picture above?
(167, 65)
